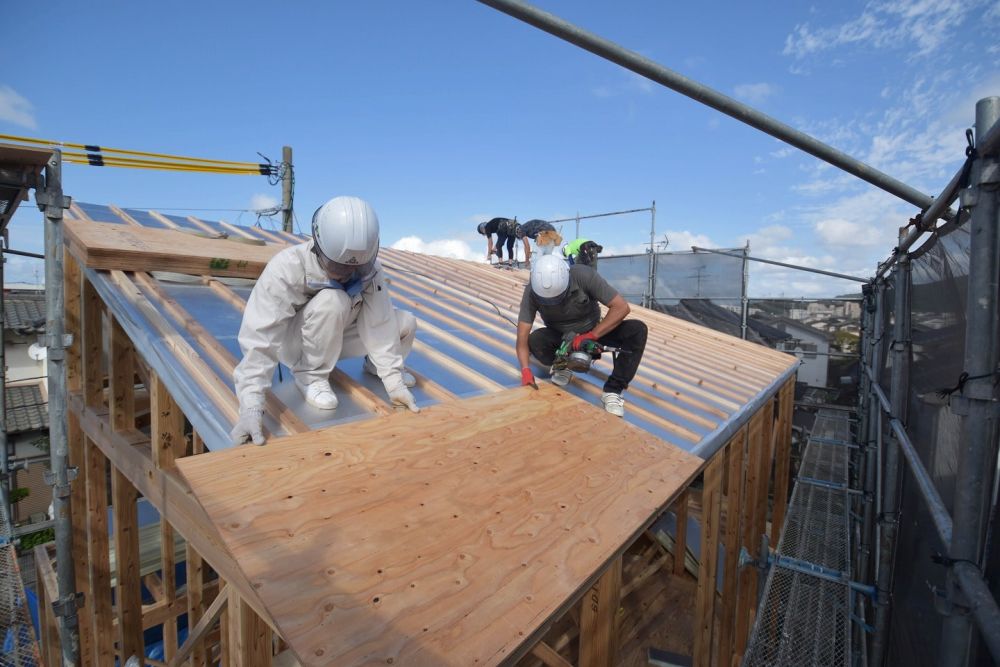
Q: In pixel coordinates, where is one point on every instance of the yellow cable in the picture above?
(166, 167)
(124, 161)
(105, 149)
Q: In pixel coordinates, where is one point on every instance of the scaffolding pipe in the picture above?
(899, 381)
(52, 203)
(22, 253)
(977, 452)
(797, 267)
(651, 289)
(744, 299)
(939, 512)
(655, 72)
(287, 180)
(5, 485)
(988, 145)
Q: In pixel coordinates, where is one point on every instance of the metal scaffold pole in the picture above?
(5, 485)
(651, 286)
(898, 387)
(52, 203)
(287, 183)
(977, 453)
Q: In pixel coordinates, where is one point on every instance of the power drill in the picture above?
(579, 361)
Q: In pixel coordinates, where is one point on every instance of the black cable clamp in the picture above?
(939, 558)
(959, 387)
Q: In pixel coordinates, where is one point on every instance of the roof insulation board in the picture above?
(694, 388)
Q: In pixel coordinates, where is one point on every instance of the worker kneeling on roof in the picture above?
(318, 302)
(567, 298)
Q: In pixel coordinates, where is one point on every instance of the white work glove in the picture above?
(402, 398)
(249, 427)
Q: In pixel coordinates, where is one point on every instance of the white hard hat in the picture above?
(345, 232)
(549, 279)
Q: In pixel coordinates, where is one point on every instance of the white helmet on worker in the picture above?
(345, 235)
(549, 279)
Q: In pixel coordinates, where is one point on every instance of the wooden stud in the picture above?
(249, 636)
(196, 601)
(704, 621)
(598, 636)
(167, 430)
(747, 598)
(48, 592)
(680, 541)
(734, 502)
(98, 552)
(781, 459)
(92, 347)
(128, 596)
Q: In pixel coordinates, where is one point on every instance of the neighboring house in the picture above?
(810, 345)
(723, 319)
(27, 442)
(26, 398)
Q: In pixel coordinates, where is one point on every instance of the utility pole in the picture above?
(287, 182)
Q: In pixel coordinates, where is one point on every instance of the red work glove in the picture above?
(580, 339)
(527, 378)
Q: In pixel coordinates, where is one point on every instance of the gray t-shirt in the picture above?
(579, 312)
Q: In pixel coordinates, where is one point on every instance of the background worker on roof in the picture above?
(582, 251)
(506, 231)
(539, 231)
(318, 302)
(567, 298)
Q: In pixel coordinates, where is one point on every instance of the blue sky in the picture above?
(447, 112)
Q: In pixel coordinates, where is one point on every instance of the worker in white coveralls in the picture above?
(318, 302)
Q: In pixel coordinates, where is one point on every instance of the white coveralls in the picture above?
(292, 318)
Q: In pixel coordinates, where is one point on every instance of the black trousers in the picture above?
(504, 239)
(629, 335)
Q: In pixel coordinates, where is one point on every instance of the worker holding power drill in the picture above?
(568, 298)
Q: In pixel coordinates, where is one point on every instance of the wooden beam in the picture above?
(705, 597)
(92, 346)
(167, 430)
(48, 592)
(680, 541)
(128, 594)
(747, 598)
(72, 290)
(735, 483)
(98, 552)
(549, 656)
(782, 454)
(109, 246)
(200, 630)
(598, 635)
(249, 636)
(220, 393)
(216, 350)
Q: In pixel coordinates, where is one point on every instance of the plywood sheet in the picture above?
(103, 245)
(447, 537)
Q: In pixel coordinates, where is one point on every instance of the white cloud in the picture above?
(16, 109)
(754, 93)
(630, 83)
(453, 248)
(261, 202)
(923, 26)
(840, 232)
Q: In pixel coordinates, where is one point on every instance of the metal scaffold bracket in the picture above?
(61, 490)
(45, 200)
(67, 606)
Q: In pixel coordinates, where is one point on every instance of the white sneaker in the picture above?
(561, 377)
(613, 403)
(369, 368)
(320, 395)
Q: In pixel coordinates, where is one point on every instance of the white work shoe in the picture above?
(320, 395)
(613, 403)
(561, 377)
(369, 368)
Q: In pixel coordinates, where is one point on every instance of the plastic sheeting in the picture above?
(679, 275)
(938, 298)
